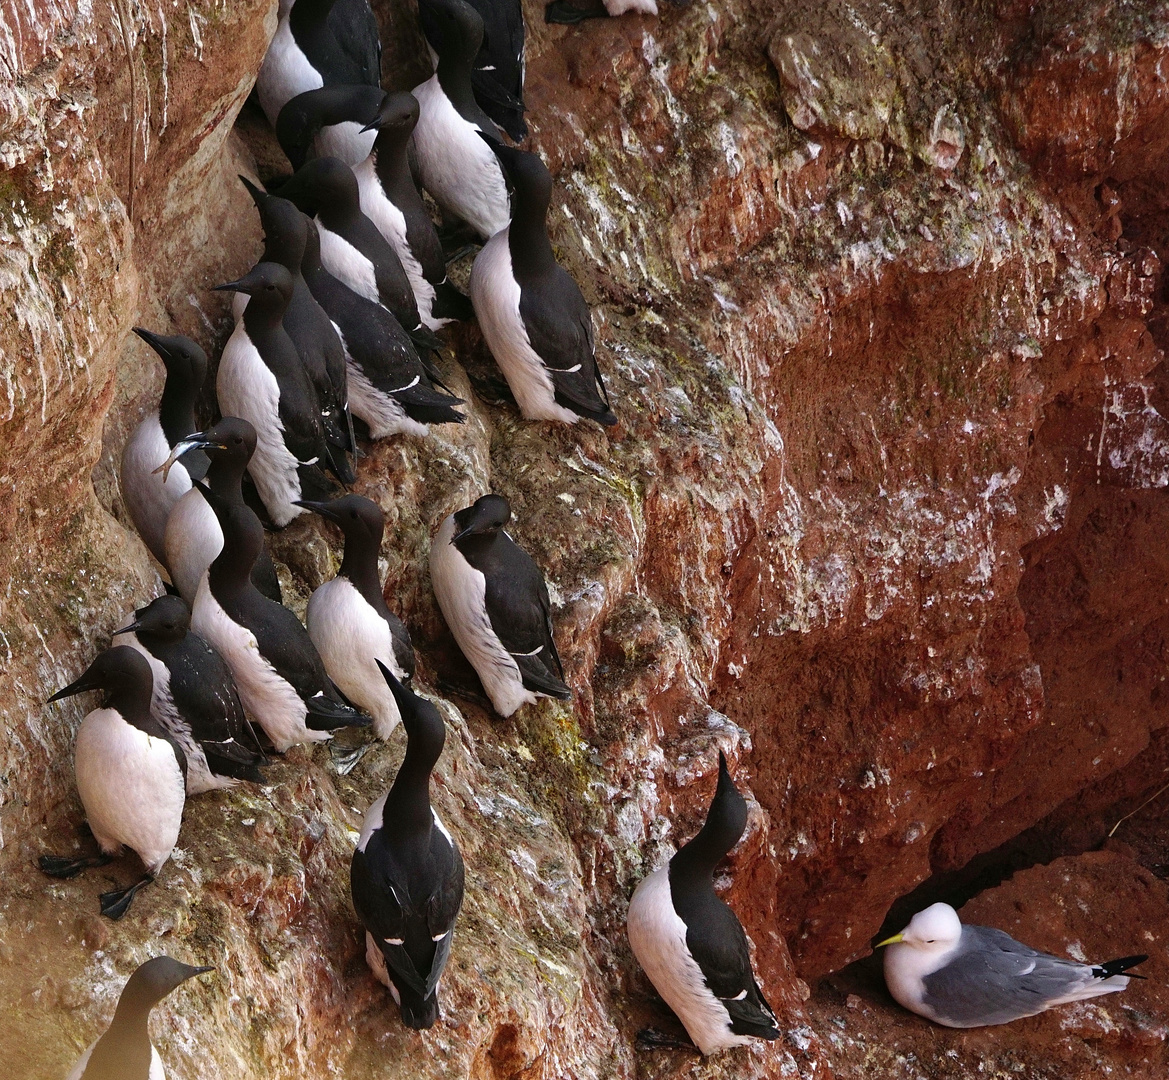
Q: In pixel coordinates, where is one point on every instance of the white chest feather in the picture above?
(640, 7)
(284, 73)
(495, 295)
(905, 969)
(164, 710)
(156, 1069)
(350, 636)
(268, 698)
(461, 591)
(391, 223)
(658, 939)
(148, 497)
(247, 388)
(455, 165)
(347, 264)
(193, 540)
(377, 408)
(345, 141)
(131, 787)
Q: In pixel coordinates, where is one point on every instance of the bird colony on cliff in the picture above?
(335, 340)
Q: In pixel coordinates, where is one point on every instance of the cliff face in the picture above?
(878, 295)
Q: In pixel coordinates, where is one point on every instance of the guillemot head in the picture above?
(114, 671)
(424, 727)
(321, 185)
(167, 619)
(268, 284)
(935, 929)
(185, 362)
(453, 28)
(359, 518)
(398, 114)
(283, 224)
(302, 118)
(154, 980)
(229, 439)
(488, 514)
(526, 174)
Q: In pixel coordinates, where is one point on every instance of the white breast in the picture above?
(905, 969)
(461, 591)
(284, 73)
(148, 497)
(455, 165)
(372, 821)
(193, 540)
(247, 388)
(156, 1069)
(345, 141)
(641, 7)
(350, 636)
(268, 698)
(164, 710)
(391, 223)
(658, 939)
(347, 264)
(495, 295)
(131, 787)
(377, 964)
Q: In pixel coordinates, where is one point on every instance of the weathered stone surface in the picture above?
(882, 519)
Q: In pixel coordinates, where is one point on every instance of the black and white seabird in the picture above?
(454, 163)
(311, 330)
(532, 314)
(148, 496)
(124, 1051)
(406, 877)
(963, 976)
(193, 536)
(316, 46)
(349, 622)
(391, 201)
(277, 670)
(495, 601)
(330, 122)
(352, 249)
(498, 75)
(194, 696)
(390, 387)
(691, 945)
(262, 380)
(131, 774)
(564, 11)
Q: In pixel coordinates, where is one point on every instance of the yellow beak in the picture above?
(895, 939)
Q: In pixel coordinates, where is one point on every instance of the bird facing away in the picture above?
(406, 877)
(454, 164)
(390, 387)
(262, 379)
(972, 976)
(276, 668)
(349, 622)
(691, 945)
(391, 201)
(193, 536)
(194, 696)
(497, 76)
(125, 1051)
(495, 601)
(149, 498)
(131, 774)
(532, 314)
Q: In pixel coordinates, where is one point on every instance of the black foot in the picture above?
(561, 11)
(492, 390)
(60, 867)
(345, 752)
(115, 904)
(457, 239)
(652, 1039)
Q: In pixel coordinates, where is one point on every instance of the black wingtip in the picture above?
(1119, 966)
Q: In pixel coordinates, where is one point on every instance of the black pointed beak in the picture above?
(323, 508)
(257, 193)
(231, 286)
(78, 686)
(201, 970)
(153, 340)
(373, 125)
(468, 531)
(399, 691)
(133, 628)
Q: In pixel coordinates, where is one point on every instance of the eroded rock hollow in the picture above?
(878, 295)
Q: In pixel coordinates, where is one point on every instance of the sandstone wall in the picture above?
(879, 299)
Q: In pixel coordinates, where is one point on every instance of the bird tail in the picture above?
(538, 678)
(449, 303)
(1116, 967)
(418, 1013)
(324, 714)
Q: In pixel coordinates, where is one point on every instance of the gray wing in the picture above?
(995, 979)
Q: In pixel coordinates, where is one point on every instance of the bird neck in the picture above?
(391, 163)
(695, 862)
(527, 238)
(242, 542)
(408, 801)
(262, 315)
(176, 409)
(133, 703)
(359, 565)
(225, 479)
(454, 76)
(309, 14)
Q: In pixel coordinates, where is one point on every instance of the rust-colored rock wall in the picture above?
(878, 293)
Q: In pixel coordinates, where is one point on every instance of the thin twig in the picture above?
(1137, 810)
